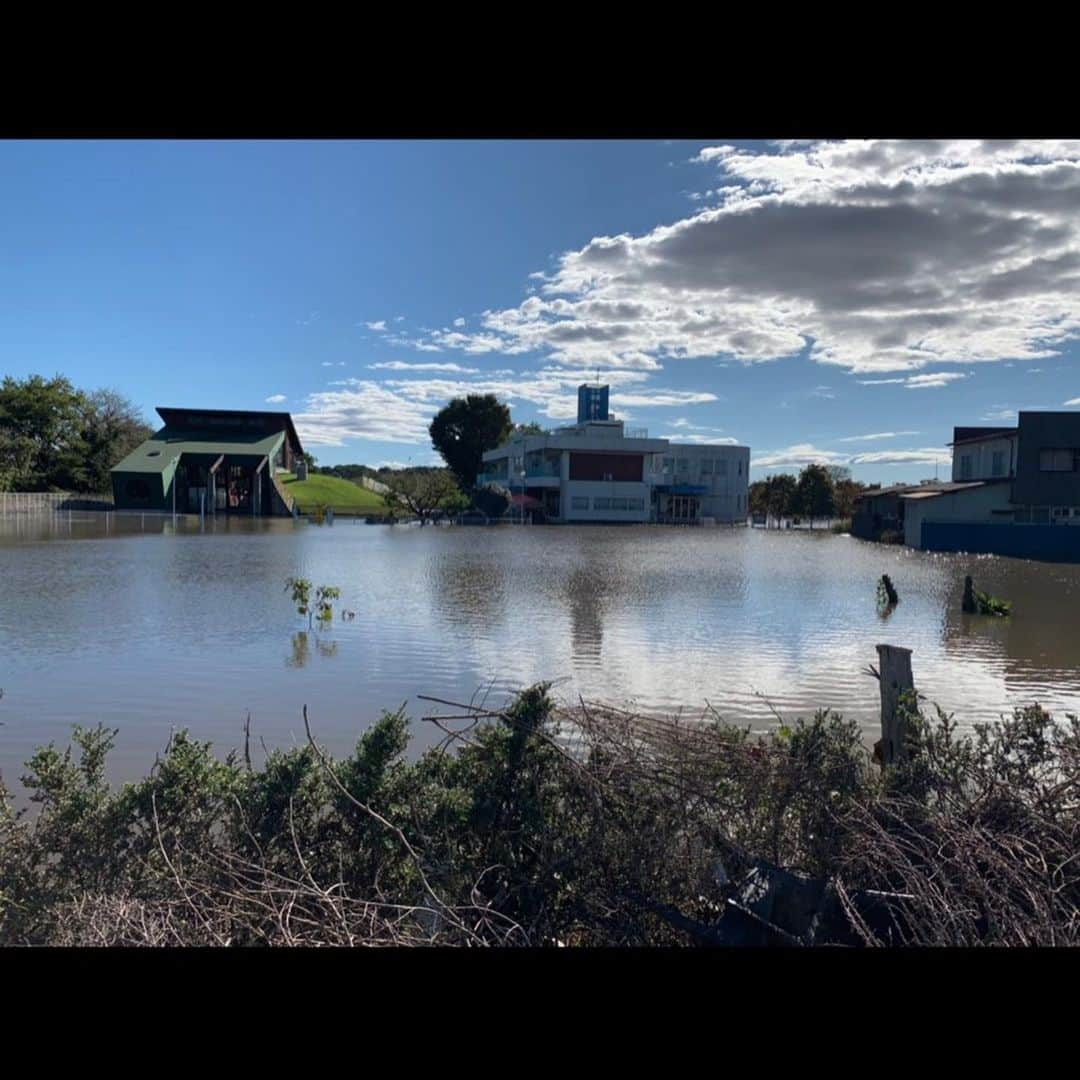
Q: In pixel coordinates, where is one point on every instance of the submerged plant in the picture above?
(976, 602)
(301, 595)
(323, 608)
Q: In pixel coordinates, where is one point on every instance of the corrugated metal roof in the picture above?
(930, 491)
(161, 452)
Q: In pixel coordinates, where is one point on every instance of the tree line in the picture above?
(55, 437)
(818, 492)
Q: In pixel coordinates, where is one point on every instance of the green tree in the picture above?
(112, 428)
(815, 496)
(757, 497)
(424, 491)
(492, 500)
(464, 429)
(41, 428)
(531, 428)
(780, 496)
(844, 495)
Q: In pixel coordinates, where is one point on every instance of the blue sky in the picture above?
(841, 302)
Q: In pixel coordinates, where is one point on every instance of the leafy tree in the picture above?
(310, 459)
(41, 423)
(464, 429)
(53, 436)
(492, 500)
(815, 493)
(757, 497)
(425, 490)
(780, 496)
(844, 495)
(531, 428)
(112, 428)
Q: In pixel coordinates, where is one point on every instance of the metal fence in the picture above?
(44, 502)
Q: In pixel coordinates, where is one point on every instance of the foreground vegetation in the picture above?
(531, 826)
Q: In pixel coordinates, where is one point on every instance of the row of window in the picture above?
(997, 465)
(706, 467)
(1043, 515)
(581, 502)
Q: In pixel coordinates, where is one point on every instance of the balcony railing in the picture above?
(542, 468)
(635, 432)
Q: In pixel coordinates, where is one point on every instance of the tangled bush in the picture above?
(532, 825)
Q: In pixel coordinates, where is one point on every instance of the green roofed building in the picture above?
(223, 460)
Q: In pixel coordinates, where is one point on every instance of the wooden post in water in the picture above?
(894, 668)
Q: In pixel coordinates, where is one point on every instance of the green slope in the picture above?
(343, 495)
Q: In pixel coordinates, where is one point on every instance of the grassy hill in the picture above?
(343, 495)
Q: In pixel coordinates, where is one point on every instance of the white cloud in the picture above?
(930, 381)
(459, 322)
(877, 435)
(400, 410)
(330, 363)
(806, 454)
(274, 399)
(697, 439)
(933, 380)
(1073, 401)
(797, 456)
(378, 325)
(926, 456)
(876, 256)
(402, 365)
(365, 410)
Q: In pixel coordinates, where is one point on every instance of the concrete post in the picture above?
(894, 668)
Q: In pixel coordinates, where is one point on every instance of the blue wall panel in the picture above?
(1050, 543)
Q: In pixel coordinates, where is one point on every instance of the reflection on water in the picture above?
(148, 624)
(301, 648)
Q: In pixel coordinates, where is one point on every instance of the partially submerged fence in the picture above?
(43, 502)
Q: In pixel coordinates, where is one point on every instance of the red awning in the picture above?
(526, 501)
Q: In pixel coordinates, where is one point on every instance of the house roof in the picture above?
(929, 491)
(923, 491)
(978, 434)
(256, 419)
(160, 452)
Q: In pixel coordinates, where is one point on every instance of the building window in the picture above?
(683, 464)
(618, 504)
(669, 464)
(997, 463)
(601, 504)
(721, 468)
(706, 466)
(635, 504)
(1040, 515)
(1057, 460)
(579, 502)
(965, 467)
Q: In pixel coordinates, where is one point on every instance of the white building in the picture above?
(600, 470)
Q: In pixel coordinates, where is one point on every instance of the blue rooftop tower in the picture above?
(592, 403)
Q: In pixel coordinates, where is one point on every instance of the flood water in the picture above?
(147, 626)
